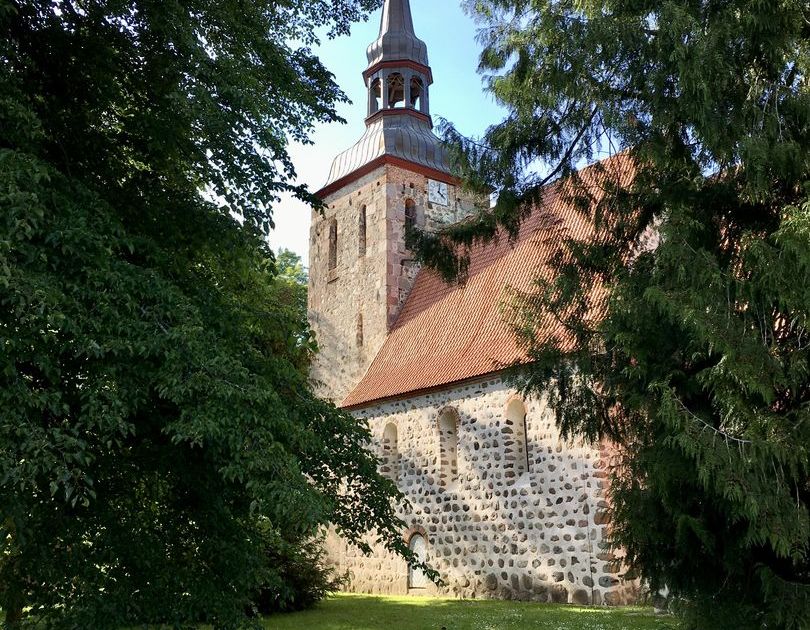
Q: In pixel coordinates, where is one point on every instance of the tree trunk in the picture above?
(14, 618)
(14, 588)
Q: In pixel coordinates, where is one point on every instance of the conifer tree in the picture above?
(698, 367)
(159, 442)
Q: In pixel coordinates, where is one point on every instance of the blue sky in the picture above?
(457, 94)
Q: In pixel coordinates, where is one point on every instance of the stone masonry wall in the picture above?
(365, 291)
(356, 288)
(503, 516)
(402, 185)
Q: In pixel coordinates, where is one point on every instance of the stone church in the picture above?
(499, 505)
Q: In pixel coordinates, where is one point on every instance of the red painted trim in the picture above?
(403, 63)
(398, 111)
(391, 161)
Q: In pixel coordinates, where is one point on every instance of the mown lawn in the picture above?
(357, 612)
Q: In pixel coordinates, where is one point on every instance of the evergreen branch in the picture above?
(711, 428)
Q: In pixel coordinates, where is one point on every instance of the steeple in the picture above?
(398, 122)
(395, 177)
(397, 40)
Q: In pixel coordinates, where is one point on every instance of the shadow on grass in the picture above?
(365, 612)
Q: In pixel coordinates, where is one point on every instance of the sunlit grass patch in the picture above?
(359, 612)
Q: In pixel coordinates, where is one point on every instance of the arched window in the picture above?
(360, 338)
(333, 244)
(375, 97)
(361, 229)
(390, 448)
(410, 215)
(396, 90)
(418, 545)
(417, 89)
(448, 446)
(515, 439)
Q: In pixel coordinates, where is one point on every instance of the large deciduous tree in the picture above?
(158, 437)
(699, 369)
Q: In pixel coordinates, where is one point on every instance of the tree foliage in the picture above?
(699, 369)
(292, 279)
(157, 430)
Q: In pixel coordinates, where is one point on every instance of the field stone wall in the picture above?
(539, 535)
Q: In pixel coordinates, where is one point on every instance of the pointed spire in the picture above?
(398, 125)
(397, 40)
(396, 17)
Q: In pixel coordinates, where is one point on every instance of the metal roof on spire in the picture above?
(397, 40)
(398, 128)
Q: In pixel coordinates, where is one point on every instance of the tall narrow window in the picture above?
(516, 439)
(361, 230)
(360, 338)
(418, 545)
(410, 215)
(333, 243)
(390, 456)
(448, 446)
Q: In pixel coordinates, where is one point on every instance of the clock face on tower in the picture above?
(437, 193)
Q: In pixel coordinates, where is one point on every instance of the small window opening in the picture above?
(416, 577)
(359, 338)
(448, 446)
(375, 100)
(417, 89)
(396, 90)
(410, 215)
(390, 453)
(361, 228)
(516, 439)
(333, 243)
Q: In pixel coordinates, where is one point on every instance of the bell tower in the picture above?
(398, 75)
(396, 175)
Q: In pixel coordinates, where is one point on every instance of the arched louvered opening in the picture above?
(410, 215)
(396, 90)
(375, 97)
(417, 90)
(361, 232)
(333, 244)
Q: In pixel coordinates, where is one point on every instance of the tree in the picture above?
(699, 367)
(290, 267)
(157, 430)
(293, 278)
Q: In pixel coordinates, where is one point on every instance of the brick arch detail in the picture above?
(412, 531)
(512, 399)
(451, 410)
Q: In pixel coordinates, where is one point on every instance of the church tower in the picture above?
(396, 174)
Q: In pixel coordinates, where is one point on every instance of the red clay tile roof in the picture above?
(448, 333)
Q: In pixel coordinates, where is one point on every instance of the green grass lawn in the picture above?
(358, 612)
